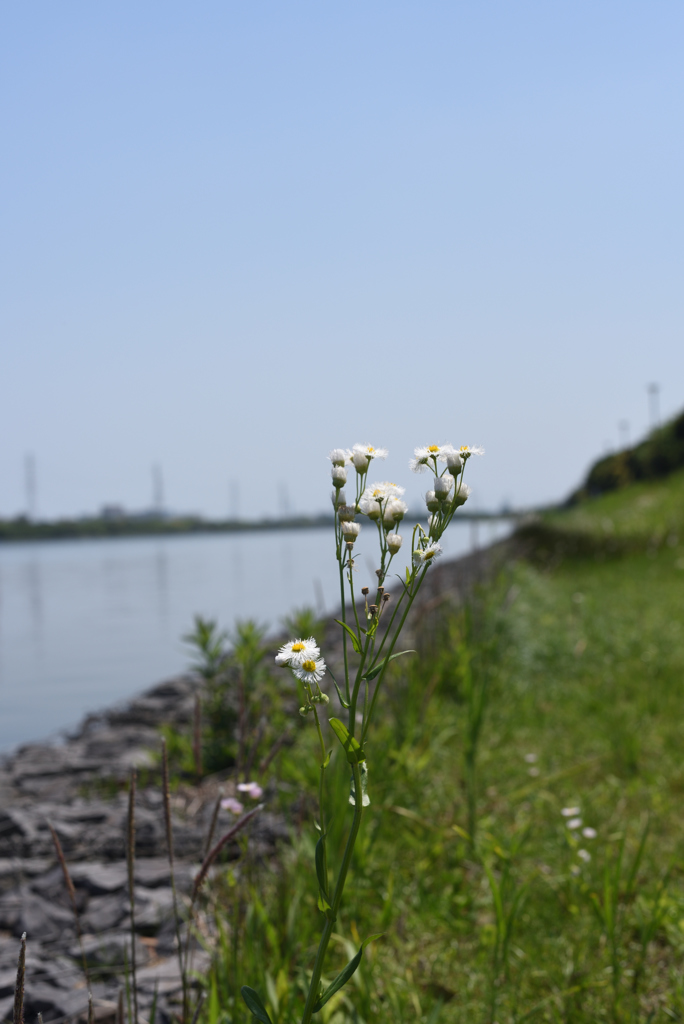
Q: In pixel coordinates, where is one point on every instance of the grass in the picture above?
(582, 664)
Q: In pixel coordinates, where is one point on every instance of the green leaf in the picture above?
(377, 669)
(323, 905)
(344, 975)
(327, 760)
(342, 700)
(352, 748)
(254, 1003)
(354, 638)
(321, 873)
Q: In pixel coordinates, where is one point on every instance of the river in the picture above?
(86, 623)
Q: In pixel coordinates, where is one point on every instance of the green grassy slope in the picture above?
(582, 661)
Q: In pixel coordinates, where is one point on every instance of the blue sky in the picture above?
(236, 235)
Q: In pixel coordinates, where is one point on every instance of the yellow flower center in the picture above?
(464, 447)
(433, 448)
(428, 554)
(370, 448)
(309, 666)
(296, 648)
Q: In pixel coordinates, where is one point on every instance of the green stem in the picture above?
(389, 655)
(312, 996)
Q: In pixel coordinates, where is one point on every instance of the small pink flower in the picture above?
(229, 803)
(251, 789)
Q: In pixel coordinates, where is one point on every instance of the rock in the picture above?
(104, 913)
(99, 878)
(111, 949)
(52, 1002)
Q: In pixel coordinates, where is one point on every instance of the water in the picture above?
(86, 623)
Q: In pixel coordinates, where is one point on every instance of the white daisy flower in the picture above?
(432, 501)
(369, 451)
(589, 833)
(462, 495)
(427, 555)
(311, 670)
(423, 456)
(340, 456)
(574, 823)
(339, 498)
(350, 531)
(466, 450)
(339, 476)
(442, 486)
(570, 812)
(584, 855)
(376, 498)
(346, 513)
(297, 651)
(394, 542)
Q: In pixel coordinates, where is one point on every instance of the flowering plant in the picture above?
(371, 629)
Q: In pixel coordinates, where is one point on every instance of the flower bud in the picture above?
(462, 495)
(350, 531)
(339, 476)
(346, 513)
(338, 498)
(454, 463)
(374, 510)
(443, 485)
(338, 456)
(432, 501)
(394, 541)
(361, 462)
(395, 510)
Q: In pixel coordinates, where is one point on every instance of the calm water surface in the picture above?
(86, 623)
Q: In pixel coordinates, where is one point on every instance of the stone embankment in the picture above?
(79, 787)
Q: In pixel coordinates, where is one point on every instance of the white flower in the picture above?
(339, 476)
(297, 651)
(584, 855)
(589, 833)
(346, 513)
(570, 812)
(394, 542)
(394, 511)
(252, 789)
(339, 498)
(462, 495)
(530, 758)
(427, 555)
(229, 803)
(466, 450)
(432, 501)
(376, 497)
(422, 456)
(443, 485)
(369, 451)
(361, 462)
(340, 456)
(350, 531)
(454, 463)
(574, 823)
(311, 671)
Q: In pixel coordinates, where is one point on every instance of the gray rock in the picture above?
(112, 949)
(99, 878)
(104, 913)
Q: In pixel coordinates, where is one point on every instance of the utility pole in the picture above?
(30, 484)
(157, 489)
(654, 404)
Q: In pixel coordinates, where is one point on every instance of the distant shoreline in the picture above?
(23, 529)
